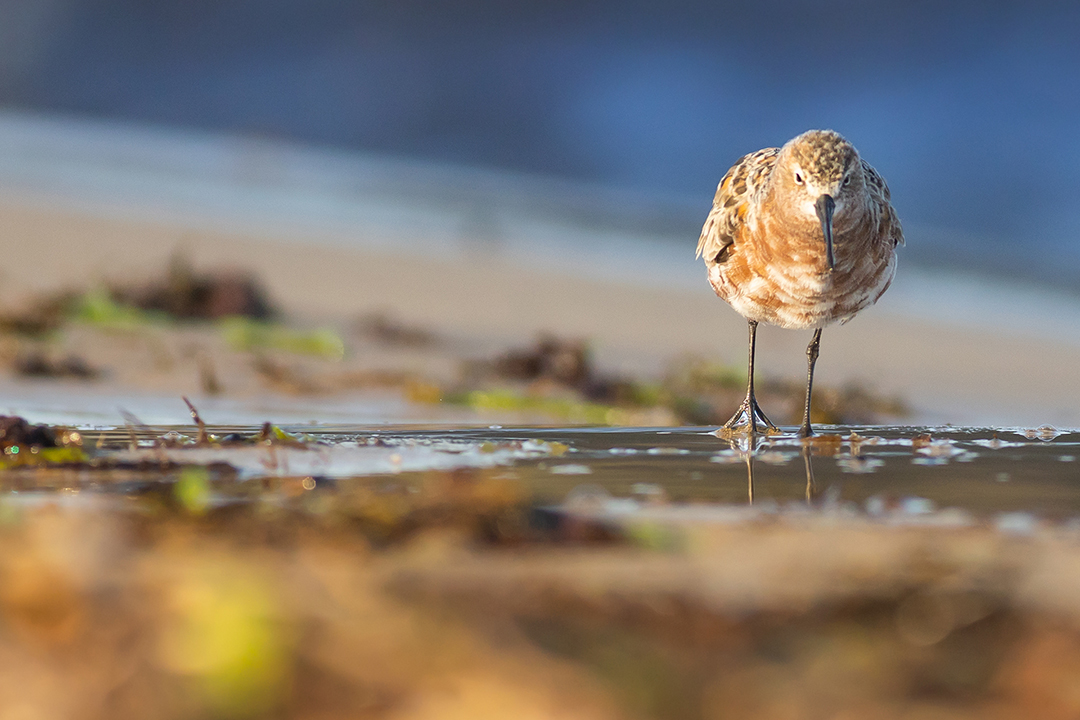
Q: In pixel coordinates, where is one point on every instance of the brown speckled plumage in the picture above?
(764, 240)
(764, 249)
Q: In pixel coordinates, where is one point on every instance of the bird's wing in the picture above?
(879, 193)
(733, 195)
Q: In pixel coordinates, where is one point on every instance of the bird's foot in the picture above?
(805, 431)
(748, 419)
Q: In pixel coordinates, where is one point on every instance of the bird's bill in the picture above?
(825, 206)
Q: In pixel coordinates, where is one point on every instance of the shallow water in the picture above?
(910, 472)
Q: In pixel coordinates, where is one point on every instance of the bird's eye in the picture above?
(798, 178)
(847, 181)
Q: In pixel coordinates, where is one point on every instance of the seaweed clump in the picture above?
(557, 377)
(17, 432)
(185, 294)
(25, 444)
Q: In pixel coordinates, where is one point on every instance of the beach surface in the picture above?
(494, 261)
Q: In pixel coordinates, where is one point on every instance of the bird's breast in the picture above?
(778, 273)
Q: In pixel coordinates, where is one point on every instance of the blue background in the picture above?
(971, 110)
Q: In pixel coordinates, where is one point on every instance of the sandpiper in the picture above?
(800, 237)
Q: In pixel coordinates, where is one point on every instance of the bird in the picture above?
(799, 236)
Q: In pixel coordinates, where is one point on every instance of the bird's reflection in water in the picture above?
(808, 465)
(751, 445)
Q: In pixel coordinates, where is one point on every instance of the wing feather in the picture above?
(746, 177)
(879, 193)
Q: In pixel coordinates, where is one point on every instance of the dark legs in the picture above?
(811, 358)
(749, 414)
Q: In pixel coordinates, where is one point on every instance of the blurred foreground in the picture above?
(237, 572)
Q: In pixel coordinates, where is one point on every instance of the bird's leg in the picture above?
(811, 358)
(749, 414)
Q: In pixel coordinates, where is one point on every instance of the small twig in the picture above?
(131, 422)
(202, 438)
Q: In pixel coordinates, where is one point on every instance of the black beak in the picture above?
(825, 205)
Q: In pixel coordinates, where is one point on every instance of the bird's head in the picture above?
(820, 178)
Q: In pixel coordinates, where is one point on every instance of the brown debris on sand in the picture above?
(559, 360)
(36, 316)
(707, 394)
(692, 391)
(15, 431)
(384, 328)
(553, 379)
(185, 294)
(40, 365)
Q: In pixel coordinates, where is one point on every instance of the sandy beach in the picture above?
(489, 260)
(947, 373)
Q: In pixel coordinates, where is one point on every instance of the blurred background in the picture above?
(633, 110)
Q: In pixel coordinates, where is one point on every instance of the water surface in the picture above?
(942, 474)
